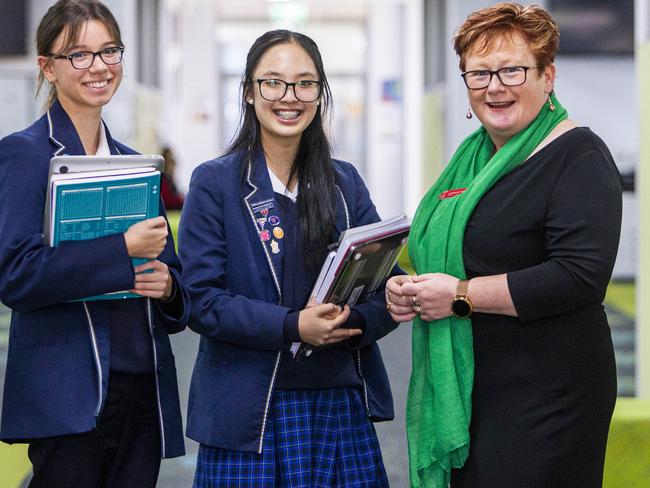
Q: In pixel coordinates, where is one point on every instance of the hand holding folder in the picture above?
(147, 238)
(358, 266)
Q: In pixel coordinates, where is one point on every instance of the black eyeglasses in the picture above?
(272, 89)
(85, 59)
(508, 76)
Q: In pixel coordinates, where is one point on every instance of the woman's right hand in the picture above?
(320, 325)
(147, 238)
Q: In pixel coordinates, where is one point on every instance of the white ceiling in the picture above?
(315, 9)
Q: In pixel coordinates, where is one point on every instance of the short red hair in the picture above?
(485, 27)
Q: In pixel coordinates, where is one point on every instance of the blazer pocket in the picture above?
(53, 337)
(41, 328)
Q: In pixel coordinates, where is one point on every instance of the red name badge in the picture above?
(451, 193)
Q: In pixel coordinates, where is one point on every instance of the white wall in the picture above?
(642, 342)
(384, 113)
(394, 129)
(190, 85)
(120, 113)
(18, 79)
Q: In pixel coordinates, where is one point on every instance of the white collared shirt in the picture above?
(103, 148)
(279, 187)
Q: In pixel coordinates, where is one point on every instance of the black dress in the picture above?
(545, 382)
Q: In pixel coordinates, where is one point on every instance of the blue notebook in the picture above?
(99, 203)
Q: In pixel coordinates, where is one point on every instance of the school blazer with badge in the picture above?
(58, 359)
(231, 265)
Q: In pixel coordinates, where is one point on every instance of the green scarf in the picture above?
(438, 408)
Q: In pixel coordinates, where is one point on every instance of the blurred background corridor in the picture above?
(399, 112)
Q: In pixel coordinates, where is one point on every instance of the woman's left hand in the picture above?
(430, 295)
(153, 284)
(394, 299)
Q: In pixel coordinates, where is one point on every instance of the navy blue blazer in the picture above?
(234, 282)
(59, 351)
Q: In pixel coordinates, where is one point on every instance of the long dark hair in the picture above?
(70, 16)
(313, 164)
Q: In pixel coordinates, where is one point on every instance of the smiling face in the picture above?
(283, 121)
(506, 110)
(83, 90)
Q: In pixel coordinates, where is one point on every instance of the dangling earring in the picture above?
(551, 106)
(468, 115)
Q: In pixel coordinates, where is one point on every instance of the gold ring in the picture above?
(388, 306)
(418, 309)
(415, 304)
(388, 297)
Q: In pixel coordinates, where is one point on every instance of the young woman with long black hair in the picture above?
(90, 385)
(253, 234)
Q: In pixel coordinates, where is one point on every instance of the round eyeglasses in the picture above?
(508, 76)
(85, 59)
(272, 89)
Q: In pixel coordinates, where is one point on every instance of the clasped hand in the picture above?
(147, 239)
(320, 325)
(428, 295)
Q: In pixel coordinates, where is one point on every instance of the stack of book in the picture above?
(84, 205)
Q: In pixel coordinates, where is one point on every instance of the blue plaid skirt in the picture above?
(313, 439)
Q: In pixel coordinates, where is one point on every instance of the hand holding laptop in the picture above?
(320, 325)
(355, 269)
